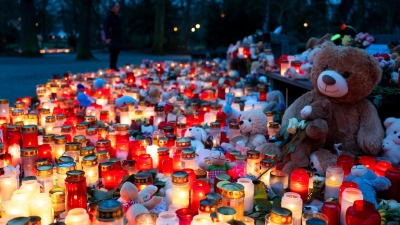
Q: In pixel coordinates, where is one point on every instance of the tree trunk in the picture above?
(29, 41)
(84, 52)
(44, 20)
(187, 23)
(159, 28)
(266, 25)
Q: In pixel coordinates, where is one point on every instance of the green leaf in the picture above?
(291, 149)
(378, 96)
(283, 130)
(377, 102)
(100, 195)
(276, 201)
(286, 136)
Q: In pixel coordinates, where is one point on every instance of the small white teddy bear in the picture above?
(198, 136)
(391, 150)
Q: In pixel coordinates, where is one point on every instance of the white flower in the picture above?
(293, 124)
(393, 205)
(302, 124)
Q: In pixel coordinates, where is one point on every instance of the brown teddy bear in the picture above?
(312, 42)
(316, 130)
(154, 95)
(345, 75)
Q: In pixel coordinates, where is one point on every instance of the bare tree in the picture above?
(84, 52)
(159, 28)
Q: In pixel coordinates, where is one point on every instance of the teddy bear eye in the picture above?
(325, 67)
(395, 132)
(250, 120)
(346, 74)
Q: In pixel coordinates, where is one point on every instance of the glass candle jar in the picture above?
(105, 145)
(207, 206)
(59, 146)
(43, 114)
(167, 218)
(85, 151)
(311, 218)
(91, 134)
(270, 116)
(253, 162)
(185, 215)
(273, 129)
(393, 174)
(73, 150)
(215, 133)
(349, 196)
(233, 129)
(49, 139)
(294, 203)
(31, 185)
(69, 108)
(142, 180)
(8, 184)
(129, 165)
(188, 159)
(248, 193)
(28, 159)
(77, 216)
(5, 109)
(81, 129)
(92, 118)
(346, 162)
(198, 192)
(75, 191)
(109, 212)
(144, 162)
(50, 123)
(29, 136)
(180, 130)
(17, 116)
(334, 178)
(145, 219)
(332, 211)
(13, 135)
(67, 132)
(226, 214)
(163, 154)
(279, 181)
(124, 115)
(102, 156)
(62, 169)
(107, 173)
(215, 196)
(57, 196)
(381, 167)
(31, 119)
(368, 161)
(60, 120)
(362, 212)
(40, 205)
(44, 176)
(299, 182)
(180, 188)
(241, 165)
(233, 196)
(104, 116)
(91, 168)
(345, 184)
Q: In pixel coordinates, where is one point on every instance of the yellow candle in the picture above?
(41, 206)
(333, 181)
(201, 220)
(17, 209)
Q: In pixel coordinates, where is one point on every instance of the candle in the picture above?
(248, 193)
(185, 216)
(294, 203)
(162, 154)
(28, 159)
(77, 216)
(29, 136)
(57, 196)
(91, 168)
(5, 109)
(334, 178)
(393, 174)
(207, 206)
(381, 167)
(308, 218)
(248, 220)
(348, 197)
(142, 180)
(40, 205)
(368, 161)
(363, 212)
(75, 191)
(16, 209)
(167, 218)
(8, 184)
(14, 150)
(21, 195)
(198, 191)
(45, 177)
(332, 212)
(201, 220)
(278, 181)
(168, 197)
(279, 216)
(233, 195)
(226, 214)
(109, 212)
(299, 181)
(152, 151)
(345, 184)
(32, 186)
(145, 219)
(144, 162)
(124, 115)
(188, 158)
(180, 188)
(346, 162)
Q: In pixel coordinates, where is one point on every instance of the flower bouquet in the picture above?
(362, 40)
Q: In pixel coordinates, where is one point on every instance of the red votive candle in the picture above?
(332, 211)
(168, 167)
(185, 215)
(263, 95)
(393, 174)
(198, 191)
(29, 136)
(362, 212)
(191, 175)
(368, 161)
(108, 174)
(44, 151)
(130, 77)
(75, 190)
(144, 162)
(346, 162)
(163, 154)
(345, 184)
(381, 167)
(299, 180)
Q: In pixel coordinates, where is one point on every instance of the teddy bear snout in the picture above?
(328, 80)
(241, 122)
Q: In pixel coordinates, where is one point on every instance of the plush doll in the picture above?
(84, 99)
(320, 160)
(98, 83)
(312, 42)
(368, 182)
(230, 112)
(166, 97)
(218, 165)
(136, 202)
(316, 130)
(198, 136)
(391, 150)
(355, 121)
(153, 95)
(125, 99)
(253, 127)
(393, 128)
(275, 102)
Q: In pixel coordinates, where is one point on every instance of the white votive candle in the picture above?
(349, 195)
(168, 197)
(334, 178)
(41, 206)
(202, 219)
(293, 202)
(152, 151)
(8, 184)
(248, 193)
(17, 209)
(77, 216)
(167, 218)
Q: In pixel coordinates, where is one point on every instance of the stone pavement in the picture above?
(19, 76)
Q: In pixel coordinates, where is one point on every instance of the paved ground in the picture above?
(19, 76)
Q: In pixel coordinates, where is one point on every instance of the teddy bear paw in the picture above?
(305, 112)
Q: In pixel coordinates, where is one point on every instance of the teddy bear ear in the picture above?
(327, 44)
(203, 135)
(389, 121)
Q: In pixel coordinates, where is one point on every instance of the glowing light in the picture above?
(193, 29)
(197, 26)
(175, 29)
(305, 24)
(36, 24)
(222, 15)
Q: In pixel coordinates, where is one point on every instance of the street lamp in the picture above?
(193, 29)
(305, 24)
(175, 29)
(197, 26)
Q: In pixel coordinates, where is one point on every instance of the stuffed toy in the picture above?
(153, 95)
(320, 160)
(292, 73)
(253, 127)
(368, 182)
(98, 83)
(355, 121)
(312, 42)
(218, 165)
(198, 136)
(136, 202)
(275, 102)
(84, 99)
(230, 112)
(393, 128)
(308, 57)
(316, 130)
(391, 150)
(166, 97)
(125, 99)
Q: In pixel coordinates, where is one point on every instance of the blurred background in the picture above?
(180, 26)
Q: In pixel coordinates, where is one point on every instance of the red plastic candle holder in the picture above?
(362, 212)
(191, 175)
(29, 136)
(198, 191)
(393, 174)
(332, 211)
(185, 216)
(368, 161)
(299, 180)
(144, 162)
(168, 167)
(75, 190)
(346, 162)
(44, 151)
(381, 167)
(345, 184)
